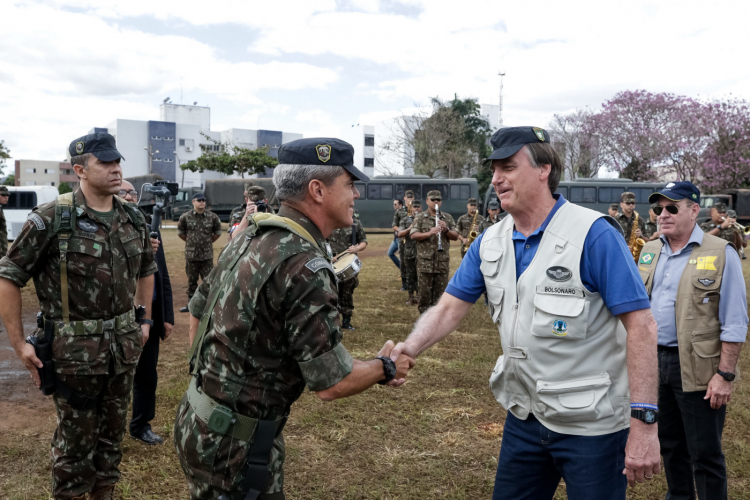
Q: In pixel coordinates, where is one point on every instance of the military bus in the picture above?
(375, 203)
(599, 194)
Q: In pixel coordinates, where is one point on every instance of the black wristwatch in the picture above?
(645, 415)
(389, 368)
(728, 376)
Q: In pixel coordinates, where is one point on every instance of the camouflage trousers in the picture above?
(86, 449)
(346, 295)
(431, 288)
(214, 464)
(401, 247)
(411, 281)
(3, 245)
(195, 269)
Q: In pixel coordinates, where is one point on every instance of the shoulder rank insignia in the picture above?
(319, 263)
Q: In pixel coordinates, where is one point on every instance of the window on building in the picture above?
(169, 138)
(49, 170)
(379, 191)
(182, 142)
(460, 192)
(156, 159)
(211, 147)
(30, 170)
(169, 160)
(610, 194)
(402, 188)
(155, 138)
(583, 194)
(369, 140)
(369, 162)
(31, 183)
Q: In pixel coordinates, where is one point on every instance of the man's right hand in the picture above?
(642, 452)
(31, 362)
(251, 208)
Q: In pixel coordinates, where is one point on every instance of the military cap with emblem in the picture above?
(435, 194)
(493, 205)
(676, 191)
(321, 151)
(720, 207)
(101, 145)
(199, 196)
(256, 193)
(4, 191)
(627, 196)
(409, 193)
(472, 201)
(507, 141)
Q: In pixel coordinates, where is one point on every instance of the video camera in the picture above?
(163, 191)
(261, 206)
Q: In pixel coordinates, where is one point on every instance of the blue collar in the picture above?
(560, 201)
(695, 237)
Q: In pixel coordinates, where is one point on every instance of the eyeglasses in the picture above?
(436, 199)
(124, 193)
(629, 203)
(672, 209)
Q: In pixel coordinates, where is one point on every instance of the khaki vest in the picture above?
(696, 307)
(564, 356)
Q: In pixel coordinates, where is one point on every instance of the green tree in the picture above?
(64, 187)
(4, 155)
(10, 180)
(231, 159)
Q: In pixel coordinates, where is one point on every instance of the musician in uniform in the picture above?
(651, 228)
(401, 213)
(493, 217)
(433, 265)
(467, 223)
(614, 210)
(628, 216)
(723, 226)
(410, 253)
(341, 240)
(255, 201)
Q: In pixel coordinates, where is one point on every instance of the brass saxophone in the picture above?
(635, 244)
(472, 234)
(409, 219)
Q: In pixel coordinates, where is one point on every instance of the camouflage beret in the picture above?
(720, 206)
(416, 204)
(256, 193)
(4, 190)
(434, 194)
(472, 201)
(409, 193)
(614, 206)
(627, 196)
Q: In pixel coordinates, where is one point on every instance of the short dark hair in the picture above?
(542, 153)
(400, 202)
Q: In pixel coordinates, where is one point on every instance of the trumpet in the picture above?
(739, 227)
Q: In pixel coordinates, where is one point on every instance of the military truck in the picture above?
(222, 196)
(735, 199)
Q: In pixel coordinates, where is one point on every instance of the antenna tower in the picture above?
(500, 110)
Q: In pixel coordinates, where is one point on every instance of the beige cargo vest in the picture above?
(564, 356)
(696, 307)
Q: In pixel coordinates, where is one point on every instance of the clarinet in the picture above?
(437, 217)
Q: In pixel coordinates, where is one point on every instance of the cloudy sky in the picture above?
(318, 66)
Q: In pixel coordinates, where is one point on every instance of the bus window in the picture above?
(443, 188)
(460, 191)
(380, 191)
(641, 194)
(402, 188)
(582, 194)
(361, 188)
(21, 200)
(610, 194)
(563, 191)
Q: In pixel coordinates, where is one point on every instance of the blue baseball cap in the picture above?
(676, 191)
(507, 141)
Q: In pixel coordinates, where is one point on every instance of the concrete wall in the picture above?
(189, 115)
(131, 137)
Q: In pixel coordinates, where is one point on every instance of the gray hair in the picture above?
(291, 181)
(82, 160)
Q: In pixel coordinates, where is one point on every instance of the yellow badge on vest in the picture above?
(706, 263)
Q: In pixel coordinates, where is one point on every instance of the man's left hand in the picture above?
(167, 330)
(642, 459)
(154, 244)
(719, 391)
(145, 330)
(353, 249)
(638, 233)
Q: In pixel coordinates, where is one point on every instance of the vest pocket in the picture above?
(495, 298)
(490, 261)
(579, 399)
(560, 316)
(704, 301)
(706, 355)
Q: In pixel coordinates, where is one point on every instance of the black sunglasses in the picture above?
(629, 203)
(436, 199)
(123, 193)
(672, 209)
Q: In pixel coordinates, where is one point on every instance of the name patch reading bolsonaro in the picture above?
(316, 265)
(559, 290)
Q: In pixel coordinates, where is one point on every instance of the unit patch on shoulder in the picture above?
(37, 220)
(319, 263)
(646, 258)
(706, 281)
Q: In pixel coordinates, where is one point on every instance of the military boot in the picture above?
(346, 324)
(103, 493)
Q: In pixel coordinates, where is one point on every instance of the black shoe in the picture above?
(744, 256)
(148, 437)
(346, 324)
(184, 309)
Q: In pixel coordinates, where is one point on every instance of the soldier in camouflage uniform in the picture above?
(721, 224)
(493, 217)
(651, 228)
(398, 215)
(237, 219)
(465, 226)
(274, 331)
(614, 210)
(341, 240)
(626, 218)
(410, 253)
(432, 266)
(4, 194)
(198, 228)
(88, 305)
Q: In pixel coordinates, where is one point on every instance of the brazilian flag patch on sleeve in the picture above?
(646, 258)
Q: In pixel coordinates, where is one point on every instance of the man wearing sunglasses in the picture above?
(651, 227)
(698, 299)
(627, 217)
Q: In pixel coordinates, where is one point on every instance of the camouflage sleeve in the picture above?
(217, 225)
(197, 304)
(361, 236)
(641, 224)
(182, 224)
(310, 310)
(148, 264)
(396, 218)
(706, 227)
(417, 225)
(451, 223)
(29, 248)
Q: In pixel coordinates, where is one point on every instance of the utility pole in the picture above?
(500, 110)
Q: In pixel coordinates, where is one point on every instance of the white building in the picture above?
(362, 138)
(160, 147)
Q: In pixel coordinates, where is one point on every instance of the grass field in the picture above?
(438, 436)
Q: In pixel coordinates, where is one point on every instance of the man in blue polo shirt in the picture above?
(574, 320)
